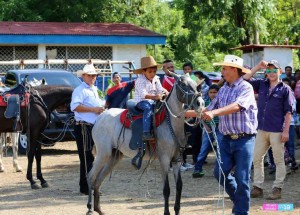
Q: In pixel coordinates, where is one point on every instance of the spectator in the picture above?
(274, 116)
(117, 95)
(203, 86)
(168, 80)
(193, 132)
(207, 135)
(201, 75)
(289, 75)
(86, 106)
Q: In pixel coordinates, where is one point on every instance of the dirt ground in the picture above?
(124, 193)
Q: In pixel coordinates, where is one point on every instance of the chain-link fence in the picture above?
(10, 53)
(78, 52)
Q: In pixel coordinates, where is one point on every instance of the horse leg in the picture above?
(14, 140)
(178, 180)
(30, 157)
(116, 157)
(1, 152)
(38, 158)
(165, 166)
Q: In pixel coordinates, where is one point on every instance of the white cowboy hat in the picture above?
(146, 62)
(233, 61)
(88, 69)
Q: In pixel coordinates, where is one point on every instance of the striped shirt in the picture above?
(143, 86)
(244, 121)
(168, 83)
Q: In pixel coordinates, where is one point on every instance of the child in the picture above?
(206, 145)
(147, 89)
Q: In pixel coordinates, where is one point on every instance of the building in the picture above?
(253, 54)
(64, 40)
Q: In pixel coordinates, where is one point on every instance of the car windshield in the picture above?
(53, 78)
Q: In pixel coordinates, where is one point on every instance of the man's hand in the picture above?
(284, 136)
(99, 110)
(207, 115)
(159, 97)
(262, 65)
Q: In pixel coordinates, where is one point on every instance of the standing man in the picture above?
(86, 106)
(117, 95)
(289, 75)
(275, 102)
(168, 81)
(236, 108)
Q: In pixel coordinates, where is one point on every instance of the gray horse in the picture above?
(111, 146)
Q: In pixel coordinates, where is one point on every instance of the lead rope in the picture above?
(84, 141)
(219, 161)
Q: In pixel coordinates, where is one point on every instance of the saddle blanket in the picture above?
(125, 120)
(23, 101)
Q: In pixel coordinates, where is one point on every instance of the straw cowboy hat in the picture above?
(146, 62)
(88, 69)
(233, 61)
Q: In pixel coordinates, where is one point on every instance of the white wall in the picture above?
(128, 53)
(284, 56)
(252, 59)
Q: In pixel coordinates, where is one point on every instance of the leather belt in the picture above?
(238, 136)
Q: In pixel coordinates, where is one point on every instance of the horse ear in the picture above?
(174, 75)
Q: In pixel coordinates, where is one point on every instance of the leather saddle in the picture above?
(13, 99)
(132, 118)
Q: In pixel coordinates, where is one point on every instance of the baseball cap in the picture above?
(274, 63)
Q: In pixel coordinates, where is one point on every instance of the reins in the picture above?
(218, 159)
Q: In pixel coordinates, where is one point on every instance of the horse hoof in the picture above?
(45, 185)
(35, 186)
(19, 170)
(1, 169)
(89, 212)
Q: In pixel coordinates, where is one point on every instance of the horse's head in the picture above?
(186, 92)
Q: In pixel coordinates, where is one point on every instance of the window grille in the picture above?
(9, 53)
(78, 52)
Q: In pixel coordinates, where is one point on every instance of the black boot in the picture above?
(137, 160)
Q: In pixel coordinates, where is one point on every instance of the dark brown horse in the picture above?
(43, 100)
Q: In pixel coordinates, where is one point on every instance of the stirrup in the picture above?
(137, 160)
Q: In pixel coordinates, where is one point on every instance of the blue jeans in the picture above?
(147, 107)
(206, 147)
(239, 154)
(290, 144)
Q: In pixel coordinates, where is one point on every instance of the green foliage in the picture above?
(197, 31)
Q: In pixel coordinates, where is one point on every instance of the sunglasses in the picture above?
(268, 71)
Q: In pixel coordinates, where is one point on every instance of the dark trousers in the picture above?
(195, 140)
(88, 146)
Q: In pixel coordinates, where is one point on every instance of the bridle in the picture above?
(186, 95)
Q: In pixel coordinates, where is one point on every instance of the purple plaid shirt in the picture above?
(244, 121)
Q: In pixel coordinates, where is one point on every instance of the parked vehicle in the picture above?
(58, 118)
(215, 77)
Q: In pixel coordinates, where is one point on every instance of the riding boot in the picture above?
(137, 160)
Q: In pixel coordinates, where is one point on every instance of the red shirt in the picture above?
(168, 83)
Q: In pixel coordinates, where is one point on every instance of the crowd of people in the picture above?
(247, 117)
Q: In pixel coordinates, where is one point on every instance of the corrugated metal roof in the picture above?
(257, 46)
(68, 28)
